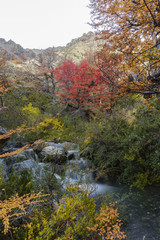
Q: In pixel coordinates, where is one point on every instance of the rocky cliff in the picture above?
(24, 63)
(76, 50)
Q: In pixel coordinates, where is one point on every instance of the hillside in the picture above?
(21, 59)
(26, 64)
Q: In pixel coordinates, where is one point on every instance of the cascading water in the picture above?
(139, 209)
(79, 171)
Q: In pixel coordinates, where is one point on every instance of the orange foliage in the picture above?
(132, 30)
(109, 66)
(107, 224)
(10, 154)
(7, 135)
(20, 150)
(16, 207)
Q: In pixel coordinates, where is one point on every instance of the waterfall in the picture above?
(79, 171)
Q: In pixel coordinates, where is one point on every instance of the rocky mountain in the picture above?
(24, 63)
(14, 50)
(76, 50)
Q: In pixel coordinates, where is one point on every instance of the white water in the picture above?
(79, 171)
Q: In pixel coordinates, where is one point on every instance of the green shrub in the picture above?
(128, 151)
(20, 183)
(75, 218)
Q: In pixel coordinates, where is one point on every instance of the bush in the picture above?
(75, 218)
(20, 183)
(128, 151)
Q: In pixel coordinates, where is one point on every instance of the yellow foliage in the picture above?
(88, 139)
(50, 123)
(15, 207)
(17, 61)
(75, 218)
(31, 113)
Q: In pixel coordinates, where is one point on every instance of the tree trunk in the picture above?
(54, 87)
(46, 83)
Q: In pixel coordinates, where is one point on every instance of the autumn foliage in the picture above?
(16, 207)
(107, 225)
(78, 83)
(85, 87)
(132, 30)
(75, 218)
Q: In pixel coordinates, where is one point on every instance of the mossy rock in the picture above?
(54, 154)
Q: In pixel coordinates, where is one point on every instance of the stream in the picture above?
(140, 210)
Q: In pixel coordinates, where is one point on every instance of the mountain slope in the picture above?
(26, 63)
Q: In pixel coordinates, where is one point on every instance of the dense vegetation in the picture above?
(123, 147)
(111, 108)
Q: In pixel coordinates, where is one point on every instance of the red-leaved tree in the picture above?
(80, 85)
(85, 87)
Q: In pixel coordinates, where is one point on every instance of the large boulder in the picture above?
(54, 153)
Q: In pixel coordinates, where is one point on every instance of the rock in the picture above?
(57, 145)
(57, 176)
(3, 167)
(30, 164)
(28, 154)
(72, 155)
(55, 154)
(44, 168)
(2, 162)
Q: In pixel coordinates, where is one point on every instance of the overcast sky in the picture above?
(43, 23)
